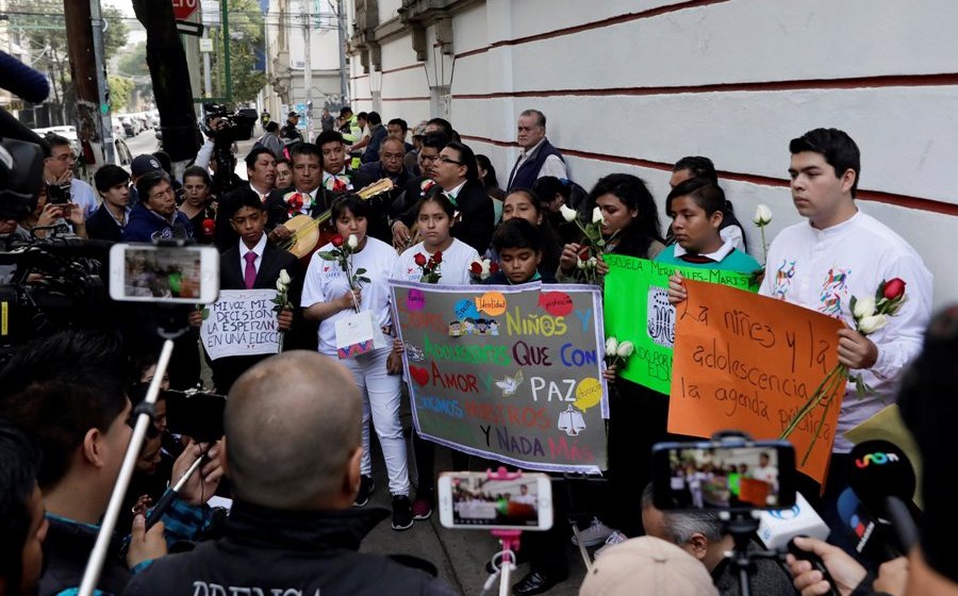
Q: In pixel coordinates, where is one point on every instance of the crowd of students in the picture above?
(447, 213)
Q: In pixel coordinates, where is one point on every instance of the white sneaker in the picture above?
(594, 534)
(614, 538)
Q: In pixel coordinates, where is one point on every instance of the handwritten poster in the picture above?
(240, 323)
(637, 309)
(511, 373)
(749, 362)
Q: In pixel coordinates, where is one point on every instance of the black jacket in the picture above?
(266, 551)
(65, 553)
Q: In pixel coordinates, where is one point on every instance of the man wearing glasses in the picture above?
(458, 174)
(58, 173)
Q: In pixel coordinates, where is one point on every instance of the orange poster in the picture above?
(748, 362)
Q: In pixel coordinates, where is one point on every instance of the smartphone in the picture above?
(196, 415)
(719, 475)
(471, 500)
(179, 275)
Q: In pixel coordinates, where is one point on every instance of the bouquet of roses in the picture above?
(617, 352)
(281, 300)
(594, 243)
(871, 314)
(295, 202)
(481, 269)
(342, 253)
(429, 267)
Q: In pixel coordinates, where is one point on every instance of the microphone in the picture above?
(871, 534)
(884, 481)
(777, 527)
(21, 80)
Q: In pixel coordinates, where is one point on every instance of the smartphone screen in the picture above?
(695, 476)
(145, 273)
(473, 500)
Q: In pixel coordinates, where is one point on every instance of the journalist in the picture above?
(292, 456)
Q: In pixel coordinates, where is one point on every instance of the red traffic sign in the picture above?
(182, 9)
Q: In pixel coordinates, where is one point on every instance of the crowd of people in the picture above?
(300, 482)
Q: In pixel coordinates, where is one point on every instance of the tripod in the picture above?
(742, 525)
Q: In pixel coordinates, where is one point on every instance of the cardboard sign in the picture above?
(240, 323)
(510, 373)
(637, 309)
(748, 362)
(357, 334)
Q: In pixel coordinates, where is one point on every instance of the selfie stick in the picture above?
(144, 418)
(171, 494)
(509, 539)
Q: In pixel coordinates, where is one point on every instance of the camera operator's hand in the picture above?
(145, 546)
(284, 320)
(892, 577)
(203, 483)
(845, 570)
(49, 215)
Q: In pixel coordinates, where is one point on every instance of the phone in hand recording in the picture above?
(178, 275)
(472, 500)
(710, 475)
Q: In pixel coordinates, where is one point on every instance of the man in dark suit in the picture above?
(458, 174)
(253, 263)
(390, 165)
(305, 197)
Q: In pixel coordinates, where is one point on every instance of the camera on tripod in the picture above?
(231, 126)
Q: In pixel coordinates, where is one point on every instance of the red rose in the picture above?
(894, 288)
(437, 257)
(208, 226)
(494, 268)
(295, 203)
(475, 268)
(420, 259)
(336, 240)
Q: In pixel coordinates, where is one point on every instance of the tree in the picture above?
(121, 88)
(44, 33)
(133, 63)
(116, 32)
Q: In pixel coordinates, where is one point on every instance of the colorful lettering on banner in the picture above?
(749, 362)
(637, 309)
(240, 323)
(511, 373)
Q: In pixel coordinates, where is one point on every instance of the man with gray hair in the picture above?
(293, 458)
(538, 157)
(701, 534)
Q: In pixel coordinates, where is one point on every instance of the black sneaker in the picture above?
(402, 513)
(366, 488)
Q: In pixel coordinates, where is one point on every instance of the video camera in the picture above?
(234, 126)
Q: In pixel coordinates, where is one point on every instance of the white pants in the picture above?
(381, 392)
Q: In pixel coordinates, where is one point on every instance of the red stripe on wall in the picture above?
(909, 202)
(406, 98)
(921, 80)
(623, 18)
(407, 67)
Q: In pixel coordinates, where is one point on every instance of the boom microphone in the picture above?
(884, 480)
(21, 80)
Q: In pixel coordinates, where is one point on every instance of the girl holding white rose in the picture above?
(328, 296)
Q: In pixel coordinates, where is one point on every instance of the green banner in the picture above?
(637, 309)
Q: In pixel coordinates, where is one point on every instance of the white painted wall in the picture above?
(884, 50)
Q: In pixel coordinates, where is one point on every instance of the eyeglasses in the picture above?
(447, 159)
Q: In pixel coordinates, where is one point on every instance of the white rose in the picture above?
(280, 286)
(284, 277)
(591, 263)
(567, 213)
(864, 307)
(611, 345)
(352, 242)
(762, 217)
(872, 324)
(625, 349)
(580, 263)
(596, 215)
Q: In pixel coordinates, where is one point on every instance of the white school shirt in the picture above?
(326, 281)
(822, 269)
(454, 269)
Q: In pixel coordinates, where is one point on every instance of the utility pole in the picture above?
(104, 120)
(85, 66)
(341, 27)
(308, 67)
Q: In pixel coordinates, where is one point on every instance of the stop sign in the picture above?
(182, 9)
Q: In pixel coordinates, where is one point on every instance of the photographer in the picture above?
(702, 535)
(58, 173)
(293, 460)
(69, 391)
(51, 219)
